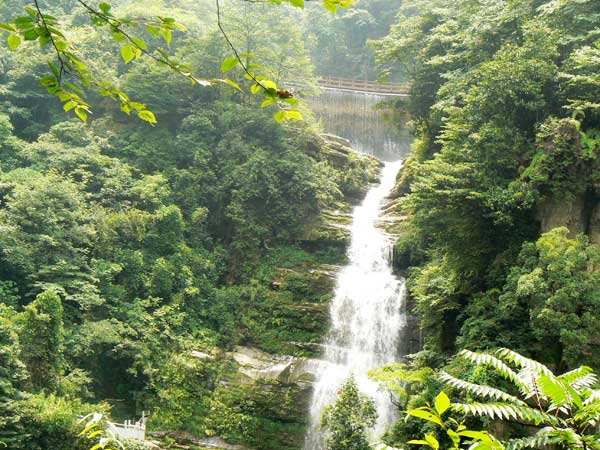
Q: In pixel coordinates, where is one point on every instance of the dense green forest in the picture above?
(164, 266)
(500, 189)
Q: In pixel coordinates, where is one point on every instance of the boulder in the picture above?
(200, 355)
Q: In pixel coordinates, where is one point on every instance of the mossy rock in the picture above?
(307, 285)
(331, 226)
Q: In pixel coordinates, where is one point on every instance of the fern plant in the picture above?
(565, 408)
(458, 434)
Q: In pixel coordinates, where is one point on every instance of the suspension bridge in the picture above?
(365, 87)
(381, 89)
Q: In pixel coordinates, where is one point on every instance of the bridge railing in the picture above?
(129, 429)
(364, 86)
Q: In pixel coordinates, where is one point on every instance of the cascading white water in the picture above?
(366, 314)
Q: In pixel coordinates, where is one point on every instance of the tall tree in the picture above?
(346, 421)
(42, 337)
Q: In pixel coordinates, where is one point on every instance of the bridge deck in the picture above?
(370, 87)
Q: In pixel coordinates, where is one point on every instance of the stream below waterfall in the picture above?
(367, 314)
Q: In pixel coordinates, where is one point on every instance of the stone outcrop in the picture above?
(579, 214)
(331, 226)
(567, 212)
(255, 365)
(184, 440)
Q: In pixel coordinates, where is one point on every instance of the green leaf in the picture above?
(432, 441)
(153, 30)
(454, 437)
(478, 389)
(293, 114)
(268, 102)
(297, 3)
(167, 35)
(69, 105)
(31, 11)
(127, 53)
(477, 435)
(442, 403)
(330, 5)
(553, 389)
(104, 7)
(118, 36)
(31, 35)
(147, 116)
(231, 83)
(81, 113)
(229, 63)
(61, 45)
(73, 87)
(255, 89)
(13, 41)
(44, 40)
(23, 22)
(418, 442)
(279, 116)
(269, 84)
(7, 27)
(140, 43)
(422, 413)
(506, 411)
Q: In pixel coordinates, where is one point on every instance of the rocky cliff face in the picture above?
(567, 178)
(332, 225)
(579, 213)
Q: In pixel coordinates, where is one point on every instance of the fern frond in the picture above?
(591, 396)
(485, 359)
(567, 437)
(589, 414)
(586, 381)
(521, 361)
(541, 439)
(479, 389)
(575, 375)
(506, 411)
(555, 390)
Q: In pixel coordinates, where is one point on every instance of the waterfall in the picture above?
(366, 314)
(359, 118)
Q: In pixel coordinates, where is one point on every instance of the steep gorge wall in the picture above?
(267, 379)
